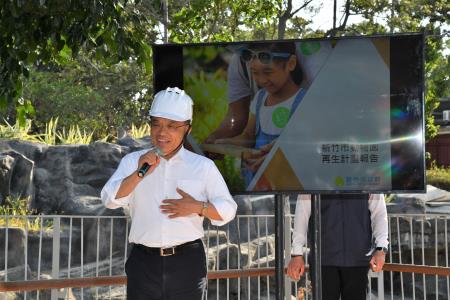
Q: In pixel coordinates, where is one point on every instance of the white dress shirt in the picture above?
(378, 217)
(196, 175)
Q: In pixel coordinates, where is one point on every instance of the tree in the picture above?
(230, 20)
(41, 32)
(92, 95)
(427, 16)
(288, 13)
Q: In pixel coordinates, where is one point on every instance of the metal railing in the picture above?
(88, 255)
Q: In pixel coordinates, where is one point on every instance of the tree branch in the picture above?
(301, 7)
(332, 32)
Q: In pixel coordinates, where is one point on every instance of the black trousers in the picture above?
(345, 283)
(154, 277)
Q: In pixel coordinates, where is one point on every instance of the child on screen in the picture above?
(275, 69)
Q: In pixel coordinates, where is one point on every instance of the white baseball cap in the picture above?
(172, 103)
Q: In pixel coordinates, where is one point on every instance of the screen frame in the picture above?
(163, 78)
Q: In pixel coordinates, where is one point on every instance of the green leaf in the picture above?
(21, 115)
(3, 102)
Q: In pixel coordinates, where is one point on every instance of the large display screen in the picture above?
(306, 116)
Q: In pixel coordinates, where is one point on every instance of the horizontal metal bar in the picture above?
(420, 269)
(33, 285)
(63, 216)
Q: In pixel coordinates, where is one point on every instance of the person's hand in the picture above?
(253, 160)
(185, 206)
(151, 158)
(266, 148)
(296, 267)
(377, 261)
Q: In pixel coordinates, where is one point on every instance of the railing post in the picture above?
(380, 285)
(55, 252)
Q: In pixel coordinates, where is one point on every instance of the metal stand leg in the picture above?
(317, 278)
(279, 243)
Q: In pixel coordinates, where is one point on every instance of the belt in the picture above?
(168, 251)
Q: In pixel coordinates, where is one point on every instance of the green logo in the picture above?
(339, 181)
(280, 117)
(309, 48)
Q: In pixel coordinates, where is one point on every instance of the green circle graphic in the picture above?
(280, 117)
(339, 181)
(309, 48)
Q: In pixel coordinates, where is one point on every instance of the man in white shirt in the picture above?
(354, 236)
(169, 192)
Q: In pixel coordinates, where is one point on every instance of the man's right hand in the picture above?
(151, 158)
(296, 267)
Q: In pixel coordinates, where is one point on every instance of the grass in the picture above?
(439, 177)
(140, 132)
(51, 136)
(8, 131)
(17, 209)
(75, 136)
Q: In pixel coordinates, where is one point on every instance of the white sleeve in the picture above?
(238, 83)
(217, 193)
(127, 166)
(301, 219)
(378, 217)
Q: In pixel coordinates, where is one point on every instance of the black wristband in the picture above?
(295, 255)
(384, 249)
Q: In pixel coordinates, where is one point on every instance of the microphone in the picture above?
(145, 166)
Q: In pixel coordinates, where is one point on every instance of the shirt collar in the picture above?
(180, 155)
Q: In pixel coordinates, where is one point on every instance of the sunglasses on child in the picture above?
(265, 57)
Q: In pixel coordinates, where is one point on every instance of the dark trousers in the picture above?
(345, 283)
(154, 277)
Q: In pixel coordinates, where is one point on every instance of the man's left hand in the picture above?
(377, 261)
(185, 206)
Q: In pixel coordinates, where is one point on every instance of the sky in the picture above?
(324, 18)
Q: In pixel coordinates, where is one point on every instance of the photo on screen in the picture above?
(306, 116)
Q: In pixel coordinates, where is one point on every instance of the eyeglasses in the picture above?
(170, 127)
(265, 57)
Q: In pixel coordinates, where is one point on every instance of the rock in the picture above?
(16, 247)
(134, 144)
(215, 237)
(101, 232)
(60, 179)
(6, 163)
(261, 205)
(16, 175)
(15, 273)
(224, 257)
(434, 200)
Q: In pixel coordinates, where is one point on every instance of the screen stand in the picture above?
(317, 269)
(279, 246)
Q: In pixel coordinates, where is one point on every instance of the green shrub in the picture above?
(138, 132)
(17, 209)
(75, 136)
(439, 177)
(8, 131)
(51, 136)
(231, 174)
(86, 93)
